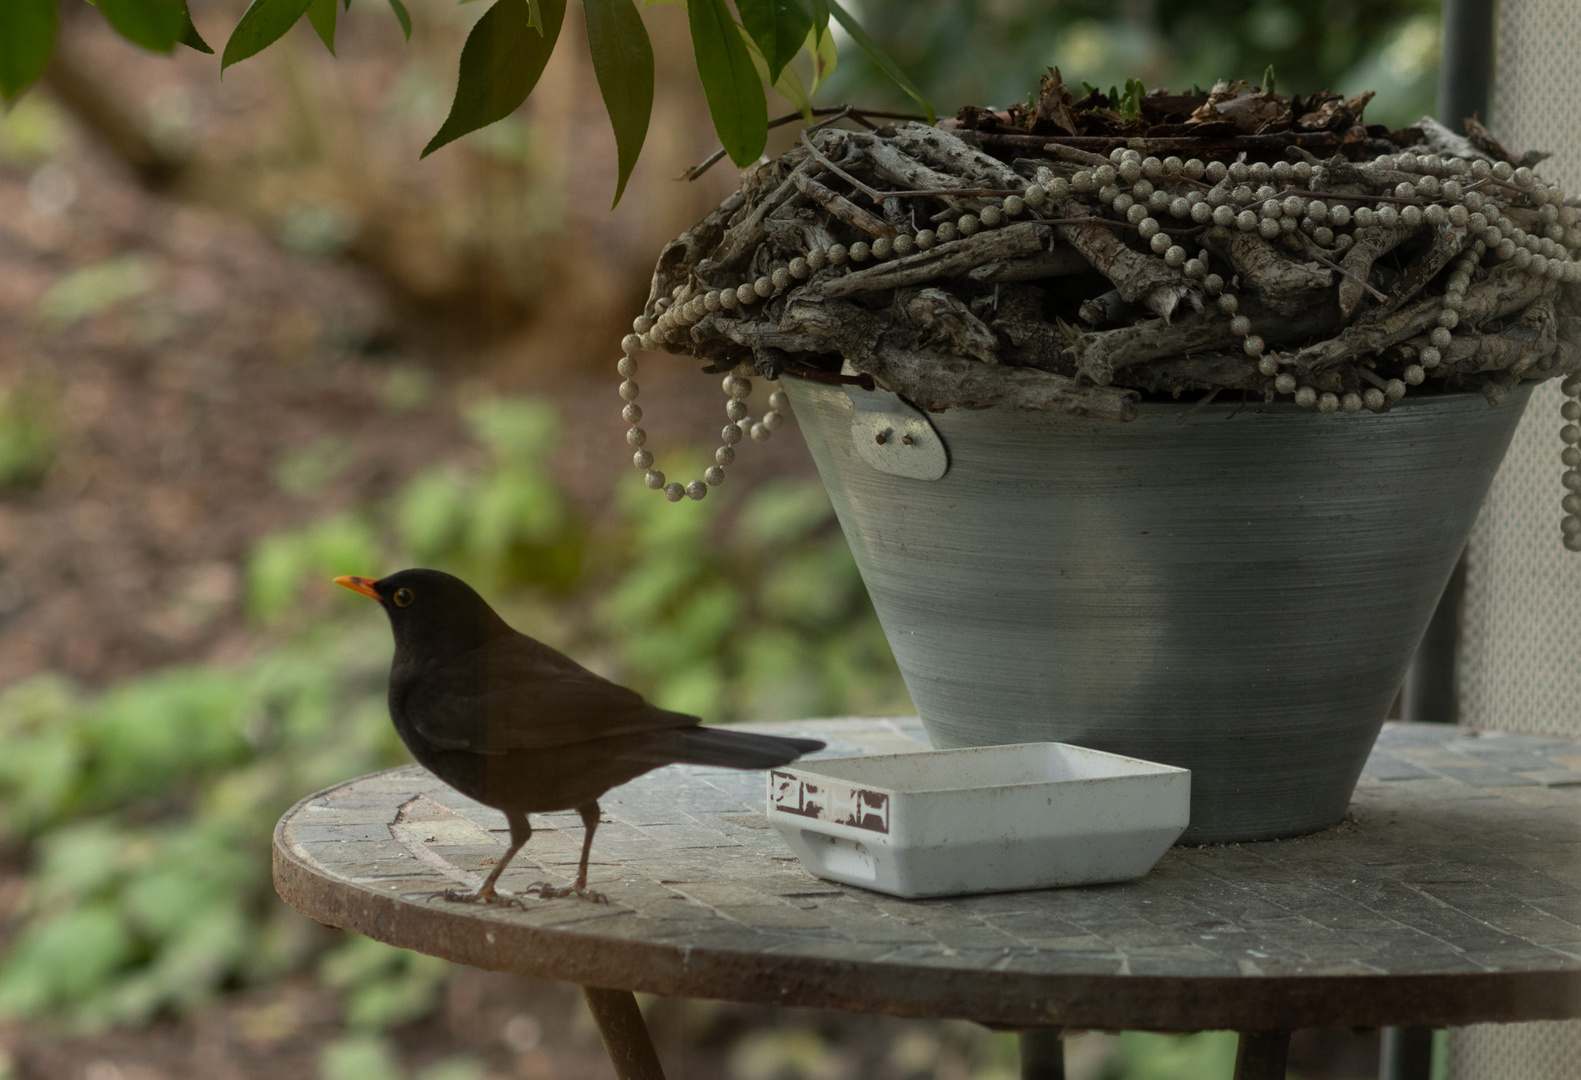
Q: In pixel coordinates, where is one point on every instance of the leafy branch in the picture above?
(505, 54)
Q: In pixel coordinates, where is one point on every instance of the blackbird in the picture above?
(512, 723)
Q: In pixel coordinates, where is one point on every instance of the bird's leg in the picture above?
(521, 830)
(590, 825)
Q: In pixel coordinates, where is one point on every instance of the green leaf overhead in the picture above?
(401, 16)
(190, 36)
(730, 81)
(788, 85)
(500, 64)
(778, 28)
(820, 17)
(262, 24)
(27, 37)
(321, 13)
(819, 43)
(623, 62)
(153, 24)
(820, 46)
(878, 56)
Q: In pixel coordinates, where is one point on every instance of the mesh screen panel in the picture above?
(1521, 635)
(1521, 639)
(1550, 1050)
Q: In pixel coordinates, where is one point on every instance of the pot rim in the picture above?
(1418, 399)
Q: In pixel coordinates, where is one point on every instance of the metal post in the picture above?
(1465, 69)
(625, 1034)
(1406, 1054)
(1042, 1054)
(1261, 1055)
(1430, 693)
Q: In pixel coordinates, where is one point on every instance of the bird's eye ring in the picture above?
(402, 597)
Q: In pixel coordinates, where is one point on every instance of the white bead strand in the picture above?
(1570, 411)
(737, 389)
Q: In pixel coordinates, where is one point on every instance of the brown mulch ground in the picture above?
(177, 416)
(172, 413)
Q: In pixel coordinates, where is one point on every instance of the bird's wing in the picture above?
(523, 695)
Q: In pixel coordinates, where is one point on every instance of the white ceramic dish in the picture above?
(983, 819)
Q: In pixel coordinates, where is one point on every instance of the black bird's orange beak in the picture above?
(361, 585)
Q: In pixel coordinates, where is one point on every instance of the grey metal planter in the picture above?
(1235, 590)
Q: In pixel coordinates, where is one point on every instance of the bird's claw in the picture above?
(542, 889)
(480, 896)
(547, 891)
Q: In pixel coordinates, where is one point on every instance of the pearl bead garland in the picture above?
(737, 389)
(1570, 435)
(1192, 195)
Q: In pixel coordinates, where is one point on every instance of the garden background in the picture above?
(249, 341)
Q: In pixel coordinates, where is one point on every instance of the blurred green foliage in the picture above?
(992, 52)
(1139, 1055)
(303, 471)
(29, 433)
(95, 288)
(145, 812)
(147, 809)
(372, 1057)
(30, 131)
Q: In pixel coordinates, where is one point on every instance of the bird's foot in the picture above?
(485, 895)
(547, 891)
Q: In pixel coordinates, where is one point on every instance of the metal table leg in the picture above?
(625, 1035)
(1406, 1053)
(1261, 1055)
(1042, 1054)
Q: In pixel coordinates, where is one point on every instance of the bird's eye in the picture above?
(402, 597)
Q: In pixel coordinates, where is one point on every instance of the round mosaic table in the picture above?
(1450, 895)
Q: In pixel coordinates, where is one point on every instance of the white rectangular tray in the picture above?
(982, 819)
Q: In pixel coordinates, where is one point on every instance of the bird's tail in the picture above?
(738, 749)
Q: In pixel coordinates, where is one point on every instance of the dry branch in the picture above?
(1448, 241)
(1505, 291)
(1100, 355)
(947, 260)
(939, 380)
(1280, 283)
(1139, 279)
(1372, 242)
(842, 208)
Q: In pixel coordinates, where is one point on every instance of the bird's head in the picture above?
(430, 611)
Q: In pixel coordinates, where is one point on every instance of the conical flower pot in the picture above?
(1235, 589)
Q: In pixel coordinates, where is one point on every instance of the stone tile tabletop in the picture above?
(1450, 894)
